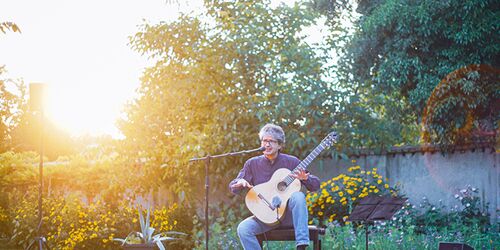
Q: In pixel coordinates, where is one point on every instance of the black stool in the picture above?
(288, 234)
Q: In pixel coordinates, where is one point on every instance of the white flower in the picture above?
(456, 196)
(433, 208)
(467, 205)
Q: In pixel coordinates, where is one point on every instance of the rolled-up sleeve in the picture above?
(245, 173)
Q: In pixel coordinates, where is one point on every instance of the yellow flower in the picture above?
(386, 185)
(341, 193)
(379, 181)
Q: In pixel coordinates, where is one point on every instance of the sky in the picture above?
(79, 49)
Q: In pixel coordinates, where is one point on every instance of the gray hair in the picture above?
(273, 130)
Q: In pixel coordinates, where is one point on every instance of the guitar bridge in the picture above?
(266, 201)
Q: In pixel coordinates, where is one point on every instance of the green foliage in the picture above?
(410, 46)
(222, 227)
(78, 190)
(464, 107)
(12, 105)
(413, 227)
(146, 234)
(70, 223)
(215, 82)
(401, 50)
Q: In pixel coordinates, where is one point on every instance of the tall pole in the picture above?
(40, 170)
(207, 164)
(37, 92)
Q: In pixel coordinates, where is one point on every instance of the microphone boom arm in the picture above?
(229, 154)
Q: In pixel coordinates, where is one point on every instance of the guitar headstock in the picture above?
(330, 139)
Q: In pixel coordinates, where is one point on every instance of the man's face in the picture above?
(272, 146)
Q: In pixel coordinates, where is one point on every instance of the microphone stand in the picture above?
(207, 160)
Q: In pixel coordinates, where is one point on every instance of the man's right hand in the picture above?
(242, 183)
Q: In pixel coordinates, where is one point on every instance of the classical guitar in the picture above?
(267, 201)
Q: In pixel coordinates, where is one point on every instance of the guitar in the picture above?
(267, 201)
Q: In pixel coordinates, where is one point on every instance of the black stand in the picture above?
(373, 208)
(207, 160)
(40, 239)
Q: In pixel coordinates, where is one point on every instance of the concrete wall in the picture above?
(436, 176)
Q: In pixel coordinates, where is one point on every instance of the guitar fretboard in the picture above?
(305, 163)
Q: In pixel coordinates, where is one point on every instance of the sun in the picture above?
(84, 110)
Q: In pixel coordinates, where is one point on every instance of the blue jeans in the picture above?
(295, 215)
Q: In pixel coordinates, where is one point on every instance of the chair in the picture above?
(288, 234)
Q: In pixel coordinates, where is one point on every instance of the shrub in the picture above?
(70, 223)
(336, 197)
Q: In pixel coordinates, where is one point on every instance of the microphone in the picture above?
(255, 150)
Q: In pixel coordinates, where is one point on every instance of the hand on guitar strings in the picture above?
(300, 174)
(242, 183)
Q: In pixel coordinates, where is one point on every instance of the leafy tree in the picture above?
(407, 47)
(216, 80)
(12, 103)
(464, 107)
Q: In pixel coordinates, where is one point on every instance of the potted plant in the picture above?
(145, 240)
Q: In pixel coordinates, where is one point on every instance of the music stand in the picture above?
(373, 208)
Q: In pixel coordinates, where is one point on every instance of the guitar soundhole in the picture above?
(282, 186)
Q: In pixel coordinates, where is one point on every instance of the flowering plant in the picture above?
(335, 198)
(145, 236)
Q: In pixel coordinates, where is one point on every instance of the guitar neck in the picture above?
(307, 161)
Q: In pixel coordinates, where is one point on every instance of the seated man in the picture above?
(259, 170)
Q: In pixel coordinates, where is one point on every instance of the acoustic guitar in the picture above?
(267, 201)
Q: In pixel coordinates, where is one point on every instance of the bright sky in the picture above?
(79, 49)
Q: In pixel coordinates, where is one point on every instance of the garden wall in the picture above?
(429, 173)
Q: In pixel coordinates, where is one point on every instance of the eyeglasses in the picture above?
(264, 142)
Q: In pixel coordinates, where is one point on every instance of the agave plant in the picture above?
(145, 236)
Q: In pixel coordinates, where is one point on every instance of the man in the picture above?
(258, 170)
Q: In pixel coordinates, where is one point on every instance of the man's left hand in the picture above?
(300, 174)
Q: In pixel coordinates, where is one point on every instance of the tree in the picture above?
(11, 98)
(216, 82)
(12, 104)
(407, 47)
